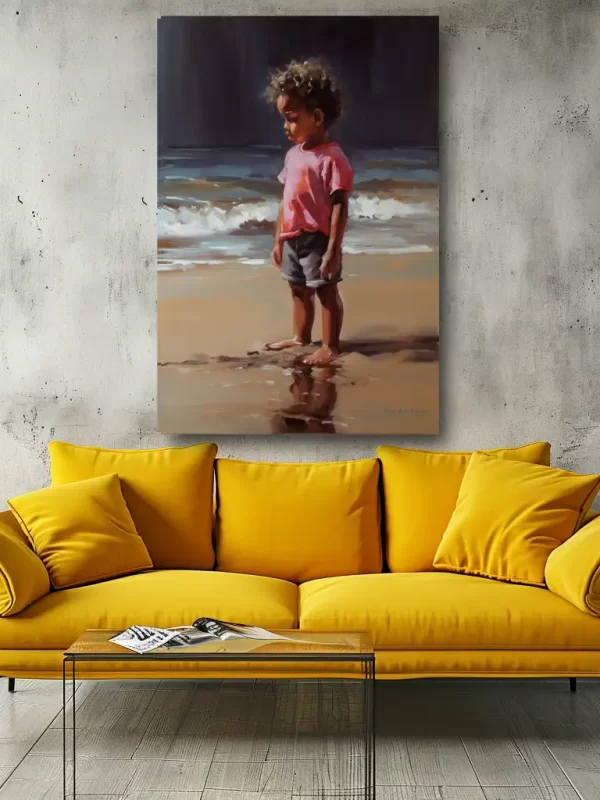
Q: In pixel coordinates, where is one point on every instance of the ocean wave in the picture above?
(388, 251)
(183, 264)
(196, 222)
(168, 265)
(383, 209)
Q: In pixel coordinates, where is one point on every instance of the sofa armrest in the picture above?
(573, 569)
(23, 576)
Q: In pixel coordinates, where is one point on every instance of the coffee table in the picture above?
(305, 647)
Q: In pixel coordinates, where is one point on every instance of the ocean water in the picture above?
(220, 205)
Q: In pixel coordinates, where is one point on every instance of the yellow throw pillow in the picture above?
(573, 569)
(420, 488)
(298, 521)
(83, 531)
(510, 516)
(169, 493)
(23, 577)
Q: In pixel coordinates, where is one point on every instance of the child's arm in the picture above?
(330, 265)
(276, 252)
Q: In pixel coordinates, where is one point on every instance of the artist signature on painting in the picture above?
(404, 410)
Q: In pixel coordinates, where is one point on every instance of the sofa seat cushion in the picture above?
(161, 598)
(445, 611)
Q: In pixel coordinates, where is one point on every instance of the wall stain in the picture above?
(573, 116)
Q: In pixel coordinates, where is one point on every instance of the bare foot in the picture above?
(285, 344)
(324, 355)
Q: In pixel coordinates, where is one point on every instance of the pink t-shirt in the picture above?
(309, 177)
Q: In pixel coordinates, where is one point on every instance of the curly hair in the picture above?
(312, 82)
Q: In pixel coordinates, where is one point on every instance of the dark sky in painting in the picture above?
(212, 72)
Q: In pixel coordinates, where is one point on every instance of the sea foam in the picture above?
(205, 220)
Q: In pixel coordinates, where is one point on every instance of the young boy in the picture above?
(317, 179)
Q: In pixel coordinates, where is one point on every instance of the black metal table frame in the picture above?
(366, 659)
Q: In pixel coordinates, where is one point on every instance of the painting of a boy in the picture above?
(298, 225)
(317, 178)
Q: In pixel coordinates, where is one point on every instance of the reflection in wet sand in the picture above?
(215, 376)
(314, 397)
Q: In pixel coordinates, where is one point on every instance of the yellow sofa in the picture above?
(422, 623)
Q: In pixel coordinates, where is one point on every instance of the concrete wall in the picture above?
(520, 141)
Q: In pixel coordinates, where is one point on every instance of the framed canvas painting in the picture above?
(298, 225)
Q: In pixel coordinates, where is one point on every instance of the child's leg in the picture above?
(304, 312)
(333, 315)
(303, 299)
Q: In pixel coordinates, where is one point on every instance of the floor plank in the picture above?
(30, 789)
(581, 768)
(163, 776)
(150, 795)
(234, 776)
(430, 793)
(327, 775)
(524, 732)
(530, 793)
(225, 794)
(436, 762)
(505, 769)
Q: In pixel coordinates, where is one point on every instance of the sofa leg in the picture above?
(573, 684)
(11, 684)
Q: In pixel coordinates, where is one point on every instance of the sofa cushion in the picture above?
(446, 611)
(23, 577)
(83, 532)
(573, 569)
(298, 521)
(163, 598)
(420, 490)
(168, 491)
(510, 516)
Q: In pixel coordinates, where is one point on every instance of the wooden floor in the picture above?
(185, 740)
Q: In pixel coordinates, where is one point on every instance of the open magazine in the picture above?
(142, 639)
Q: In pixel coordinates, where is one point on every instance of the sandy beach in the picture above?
(215, 377)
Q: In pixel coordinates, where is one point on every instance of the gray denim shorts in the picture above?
(301, 259)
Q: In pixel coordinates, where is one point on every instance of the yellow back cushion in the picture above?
(23, 577)
(510, 516)
(420, 489)
(83, 532)
(298, 521)
(168, 492)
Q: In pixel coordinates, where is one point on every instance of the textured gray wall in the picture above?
(520, 133)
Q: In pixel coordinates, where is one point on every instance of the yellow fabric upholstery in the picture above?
(391, 664)
(573, 569)
(298, 521)
(83, 532)
(163, 598)
(423, 625)
(443, 611)
(23, 577)
(168, 492)
(8, 519)
(510, 516)
(420, 492)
